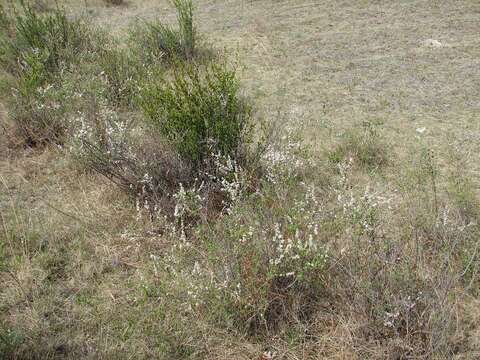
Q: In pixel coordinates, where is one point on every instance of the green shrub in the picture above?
(36, 106)
(53, 35)
(200, 111)
(121, 72)
(187, 28)
(9, 341)
(196, 129)
(158, 42)
(38, 50)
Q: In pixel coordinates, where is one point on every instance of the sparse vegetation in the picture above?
(220, 234)
(157, 42)
(364, 147)
(115, 2)
(121, 72)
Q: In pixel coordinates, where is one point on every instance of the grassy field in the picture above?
(356, 235)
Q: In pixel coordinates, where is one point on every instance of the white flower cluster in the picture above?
(401, 311)
(298, 254)
(361, 210)
(106, 130)
(284, 159)
(188, 202)
(230, 176)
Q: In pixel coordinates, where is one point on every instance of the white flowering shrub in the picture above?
(102, 128)
(37, 111)
(145, 168)
(286, 157)
(387, 237)
(37, 49)
(296, 251)
(189, 204)
(228, 178)
(251, 272)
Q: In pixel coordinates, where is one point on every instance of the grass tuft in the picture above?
(157, 42)
(53, 37)
(115, 2)
(365, 147)
(39, 49)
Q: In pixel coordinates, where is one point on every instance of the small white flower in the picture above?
(268, 355)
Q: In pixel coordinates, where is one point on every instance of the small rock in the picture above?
(115, 261)
(433, 43)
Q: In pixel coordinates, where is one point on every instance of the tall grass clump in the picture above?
(159, 42)
(364, 147)
(38, 49)
(55, 37)
(187, 28)
(120, 72)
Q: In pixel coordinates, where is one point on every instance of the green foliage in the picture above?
(158, 42)
(36, 110)
(34, 74)
(121, 72)
(9, 340)
(200, 111)
(187, 28)
(39, 48)
(54, 36)
(114, 2)
(364, 147)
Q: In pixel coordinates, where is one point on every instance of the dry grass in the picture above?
(115, 2)
(339, 64)
(85, 274)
